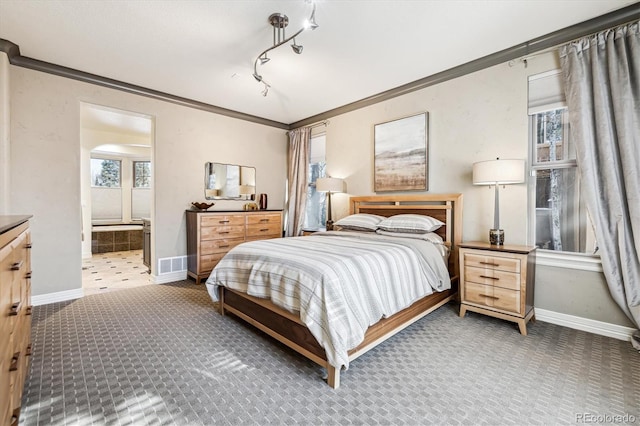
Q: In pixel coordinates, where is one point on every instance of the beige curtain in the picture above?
(602, 84)
(298, 179)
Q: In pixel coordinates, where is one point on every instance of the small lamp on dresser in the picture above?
(497, 172)
(329, 185)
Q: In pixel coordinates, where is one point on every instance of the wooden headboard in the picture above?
(444, 207)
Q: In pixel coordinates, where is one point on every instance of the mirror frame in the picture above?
(246, 185)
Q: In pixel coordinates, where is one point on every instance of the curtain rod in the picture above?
(321, 123)
(559, 46)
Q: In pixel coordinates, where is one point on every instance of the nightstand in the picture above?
(498, 281)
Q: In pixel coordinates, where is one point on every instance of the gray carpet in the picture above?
(161, 354)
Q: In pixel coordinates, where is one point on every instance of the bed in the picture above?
(255, 281)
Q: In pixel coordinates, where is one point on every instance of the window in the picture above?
(141, 174)
(316, 210)
(105, 173)
(559, 218)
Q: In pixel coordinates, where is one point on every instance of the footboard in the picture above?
(288, 329)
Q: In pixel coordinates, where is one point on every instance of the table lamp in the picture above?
(329, 185)
(498, 172)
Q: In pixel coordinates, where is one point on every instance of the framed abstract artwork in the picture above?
(400, 154)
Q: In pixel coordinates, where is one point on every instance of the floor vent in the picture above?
(170, 265)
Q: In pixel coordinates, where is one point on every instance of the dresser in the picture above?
(210, 235)
(15, 318)
(498, 281)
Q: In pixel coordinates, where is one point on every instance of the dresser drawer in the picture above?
(221, 232)
(269, 230)
(263, 219)
(492, 262)
(208, 261)
(492, 277)
(218, 220)
(219, 246)
(493, 297)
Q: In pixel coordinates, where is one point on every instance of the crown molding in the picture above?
(612, 19)
(15, 58)
(565, 35)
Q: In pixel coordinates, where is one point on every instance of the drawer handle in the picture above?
(15, 416)
(227, 246)
(15, 309)
(28, 351)
(223, 232)
(14, 361)
(28, 245)
(16, 266)
(223, 221)
(490, 297)
(489, 263)
(264, 220)
(489, 278)
(28, 275)
(264, 230)
(28, 310)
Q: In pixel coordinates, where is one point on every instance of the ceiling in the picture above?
(205, 50)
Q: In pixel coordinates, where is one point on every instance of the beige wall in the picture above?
(477, 117)
(45, 166)
(4, 133)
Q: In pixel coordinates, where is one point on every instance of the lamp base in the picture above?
(329, 225)
(496, 237)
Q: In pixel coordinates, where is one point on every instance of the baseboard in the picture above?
(59, 296)
(169, 278)
(592, 326)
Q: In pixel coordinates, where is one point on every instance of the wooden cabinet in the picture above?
(498, 281)
(15, 313)
(210, 235)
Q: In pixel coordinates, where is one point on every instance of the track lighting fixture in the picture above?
(279, 22)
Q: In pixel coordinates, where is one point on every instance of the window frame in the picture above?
(556, 258)
(133, 174)
(118, 160)
(323, 203)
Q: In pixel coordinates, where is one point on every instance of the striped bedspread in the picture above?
(340, 283)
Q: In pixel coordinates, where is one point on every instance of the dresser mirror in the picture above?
(229, 182)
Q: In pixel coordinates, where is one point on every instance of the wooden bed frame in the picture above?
(287, 327)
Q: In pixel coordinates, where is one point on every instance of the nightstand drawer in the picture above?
(493, 297)
(492, 262)
(492, 277)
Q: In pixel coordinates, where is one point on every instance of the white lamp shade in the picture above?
(328, 184)
(247, 189)
(498, 171)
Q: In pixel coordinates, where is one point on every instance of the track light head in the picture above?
(264, 59)
(297, 47)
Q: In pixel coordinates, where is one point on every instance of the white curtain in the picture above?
(298, 179)
(602, 84)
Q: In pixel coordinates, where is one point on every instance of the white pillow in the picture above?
(427, 236)
(360, 222)
(410, 223)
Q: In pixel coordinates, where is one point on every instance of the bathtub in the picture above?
(110, 238)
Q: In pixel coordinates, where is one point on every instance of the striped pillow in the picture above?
(410, 223)
(360, 222)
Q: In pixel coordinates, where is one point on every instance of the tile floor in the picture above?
(113, 271)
